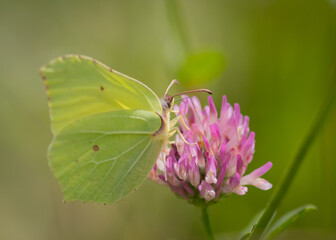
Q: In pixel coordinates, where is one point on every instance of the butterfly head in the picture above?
(167, 103)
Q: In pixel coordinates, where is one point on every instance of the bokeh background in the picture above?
(274, 57)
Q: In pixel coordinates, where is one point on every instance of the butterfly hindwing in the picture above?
(103, 157)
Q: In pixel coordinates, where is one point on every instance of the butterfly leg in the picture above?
(174, 121)
(176, 130)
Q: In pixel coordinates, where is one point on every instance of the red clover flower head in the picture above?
(211, 158)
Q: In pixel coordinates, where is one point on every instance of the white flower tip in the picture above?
(262, 184)
(239, 190)
(209, 195)
(160, 164)
(210, 178)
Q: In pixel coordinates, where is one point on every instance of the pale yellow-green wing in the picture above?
(103, 123)
(105, 156)
(80, 86)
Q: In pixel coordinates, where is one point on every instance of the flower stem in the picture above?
(206, 223)
(292, 169)
(175, 20)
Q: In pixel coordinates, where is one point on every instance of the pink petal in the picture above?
(200, 159)
(181, 167)
(262, 184)
(196, 105)
(213, 110)
(239, 190)
(206, 191)
(250, 178)
(222, 154)
(223, 169)
(240, 165)
(211, 172)
(193, 173)
(187, 188)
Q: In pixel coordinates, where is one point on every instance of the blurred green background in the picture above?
(279, 56)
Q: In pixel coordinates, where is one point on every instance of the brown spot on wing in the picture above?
(95, 148)
(101, 88)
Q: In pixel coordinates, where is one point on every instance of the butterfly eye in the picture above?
(165, 104)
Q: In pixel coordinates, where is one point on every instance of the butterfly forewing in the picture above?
(79, 86)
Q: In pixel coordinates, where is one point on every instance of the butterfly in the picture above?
(108, 128)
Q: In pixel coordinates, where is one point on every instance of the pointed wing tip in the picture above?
(63, 58)
(47, 68)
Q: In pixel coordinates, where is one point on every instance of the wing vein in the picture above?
(109, 171)
(135, 162)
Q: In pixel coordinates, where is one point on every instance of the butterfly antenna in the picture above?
(179, 99)
(170, 85)
(193, 91)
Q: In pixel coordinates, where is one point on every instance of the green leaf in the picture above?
(287, 220)
(245, 234)
(202, 67)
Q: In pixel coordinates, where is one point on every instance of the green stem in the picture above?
(175, 20)
(292, 169)
(206, 223)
